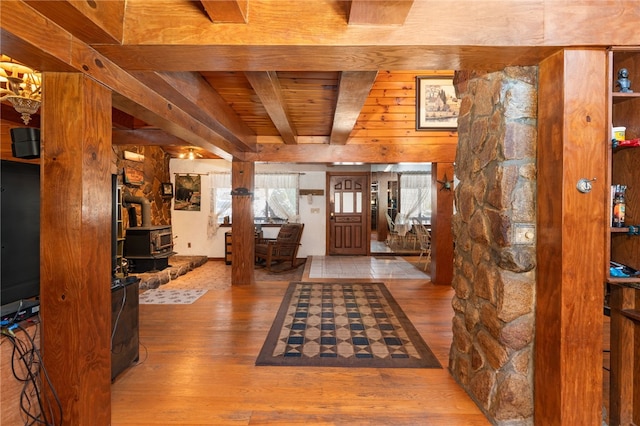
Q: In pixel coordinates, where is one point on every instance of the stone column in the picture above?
(494, 256)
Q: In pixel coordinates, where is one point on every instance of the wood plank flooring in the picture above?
(198, 365)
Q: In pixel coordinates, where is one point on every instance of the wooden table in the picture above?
(625, 353)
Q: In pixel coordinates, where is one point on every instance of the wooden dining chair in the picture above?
(393, 234)
(424, 240)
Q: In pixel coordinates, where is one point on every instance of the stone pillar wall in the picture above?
(494, 230)
(155, 169)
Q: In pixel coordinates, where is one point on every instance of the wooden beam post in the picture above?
(441, 214)
(572, 139)
(75, 249)
(242, 225)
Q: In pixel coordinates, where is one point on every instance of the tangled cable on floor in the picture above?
(39, 401)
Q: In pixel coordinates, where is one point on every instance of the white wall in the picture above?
(190, 228)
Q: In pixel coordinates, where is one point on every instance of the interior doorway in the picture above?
(400, 194)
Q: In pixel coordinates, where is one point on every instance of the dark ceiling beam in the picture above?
(228, 11)
(267, 87)
(353, 90)
(379, 12)
(191, 92)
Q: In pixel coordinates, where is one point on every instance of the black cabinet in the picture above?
(124, 325)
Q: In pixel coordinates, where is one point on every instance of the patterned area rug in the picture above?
(170, 297)
(343, 325)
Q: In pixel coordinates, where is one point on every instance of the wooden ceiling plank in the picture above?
(229, 11)
(353, 91)
(268, 89)
(90, 21)
(379, 12)
(191, 92)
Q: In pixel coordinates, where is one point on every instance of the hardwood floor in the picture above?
(198, 366)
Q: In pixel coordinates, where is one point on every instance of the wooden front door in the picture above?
(348, 213)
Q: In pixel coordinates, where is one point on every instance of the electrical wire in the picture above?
(28, 367)
(115, 324)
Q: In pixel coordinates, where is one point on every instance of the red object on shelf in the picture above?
(630, 142)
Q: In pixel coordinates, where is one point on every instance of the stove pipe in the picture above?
(145, 206)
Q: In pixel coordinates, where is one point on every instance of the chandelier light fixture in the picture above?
(191, 155)
(21, 86)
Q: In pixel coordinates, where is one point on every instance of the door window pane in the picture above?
(348, 202)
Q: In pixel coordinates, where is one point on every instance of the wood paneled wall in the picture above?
(389, 113)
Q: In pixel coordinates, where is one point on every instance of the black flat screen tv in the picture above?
(20, 231)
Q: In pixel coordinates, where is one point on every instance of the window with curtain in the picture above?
(415, 197)
(275, 198)
(220, 187)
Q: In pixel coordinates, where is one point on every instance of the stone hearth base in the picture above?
(178, 265)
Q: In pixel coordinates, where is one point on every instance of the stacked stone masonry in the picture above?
(494, 274)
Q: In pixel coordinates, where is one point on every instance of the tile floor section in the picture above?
(373, 267)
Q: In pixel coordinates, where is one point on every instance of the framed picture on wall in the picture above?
(437, 107)
(187, 193)
(167, 189)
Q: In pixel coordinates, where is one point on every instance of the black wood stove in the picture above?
(146, 247)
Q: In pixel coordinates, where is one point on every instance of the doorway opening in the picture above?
(400, 196)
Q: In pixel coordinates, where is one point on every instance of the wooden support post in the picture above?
(75, 253)
(572, 110)
(441, 214)
(243, 227)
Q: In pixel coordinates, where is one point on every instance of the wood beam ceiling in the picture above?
(379, 12)
(267, 87)
(153, 55)
(92, 21)
(374, 154)
(353, 91)
(191, 92)
(229, 11)
(23, 28)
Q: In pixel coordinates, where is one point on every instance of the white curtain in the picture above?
(217, 181)
(415, 195)
(281, 199)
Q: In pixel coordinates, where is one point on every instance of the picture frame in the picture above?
(132, 176)
(167, 189)
(437, 106)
